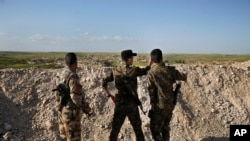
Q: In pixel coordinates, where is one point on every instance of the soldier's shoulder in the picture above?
(66, 73)
(170, 68)
(118, 70)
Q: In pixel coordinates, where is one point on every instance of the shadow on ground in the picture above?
(13, 114)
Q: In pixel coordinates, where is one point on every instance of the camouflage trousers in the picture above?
(69, 121)
(159, 123)
(121, 112)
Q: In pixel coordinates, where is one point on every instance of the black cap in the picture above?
(127, 54)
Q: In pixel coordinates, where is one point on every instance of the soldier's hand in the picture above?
(112, 97)
(109, 95)
(150, 62)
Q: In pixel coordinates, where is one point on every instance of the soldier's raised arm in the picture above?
(143, 71)
(179, 75)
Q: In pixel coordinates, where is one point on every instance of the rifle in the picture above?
(134, 95)
(65, 94)
(177, 88)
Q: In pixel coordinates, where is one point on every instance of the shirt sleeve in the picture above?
(75, 90)
(142, 71)
(107, 79)
(179, 76)
(152, 89)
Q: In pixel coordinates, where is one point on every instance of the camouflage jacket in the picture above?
(160, 80)
(72, 81)
(121, 74)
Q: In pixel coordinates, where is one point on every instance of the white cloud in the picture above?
(88, 37)
(118, 38)
(2, 34)
(82, 42)
(84, 37)
(86, 34)
(46, 38)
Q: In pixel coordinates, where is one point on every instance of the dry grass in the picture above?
(50, 60)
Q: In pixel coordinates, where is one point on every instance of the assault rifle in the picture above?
(65, 100)
(65, 96)
(177, 88)
(134, 95)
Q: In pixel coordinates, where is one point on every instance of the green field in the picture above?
(50, 60)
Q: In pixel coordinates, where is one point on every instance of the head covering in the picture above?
(125, 54)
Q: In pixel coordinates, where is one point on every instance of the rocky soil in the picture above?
(213, 98)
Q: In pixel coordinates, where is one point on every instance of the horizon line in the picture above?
(117, 52)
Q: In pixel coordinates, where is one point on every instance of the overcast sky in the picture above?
(175, 26)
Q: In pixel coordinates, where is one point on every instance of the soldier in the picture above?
(69, 114)
(125, 103)
(160, 80)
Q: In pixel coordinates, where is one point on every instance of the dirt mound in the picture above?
(214, 97)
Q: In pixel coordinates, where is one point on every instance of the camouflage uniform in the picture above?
(125, 104)
(69, 116)
(160, 80)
